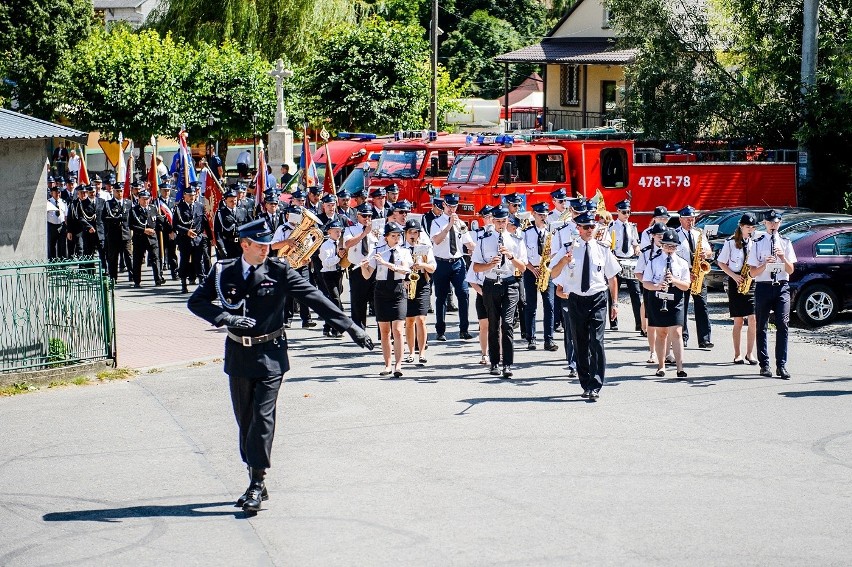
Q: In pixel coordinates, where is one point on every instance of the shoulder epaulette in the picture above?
(647, 248)
(229, 261)
(530, 227)
(730, 238)
(761, 238)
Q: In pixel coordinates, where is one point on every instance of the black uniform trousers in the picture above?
(634, 288)
(118, 248)
(56, 241)
(290, 308)
(520, 311)
(450, 273)
(141, 246)
(588, 317)
(254, 401)
(702, 316)
(768, 297)
(191, 260)
(500, 302)
(362, 292)
(332, 286)
(86, 243)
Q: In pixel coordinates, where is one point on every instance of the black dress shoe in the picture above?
(782, 373)
(507, 371)
(532, 344)
(585, 393)
(594, 395)
(765, 372)
(140, 285)
(613, 327)
(254, 496)
(572, 373)
(681, 373)
(452, 308)
(306, 324)
(242, 499)
(442, 337)
(706, 345)
(465, 335)
(494, 370)
(643, 333)
(557, 329)
(551, 346)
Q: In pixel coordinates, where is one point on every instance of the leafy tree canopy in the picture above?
(34, 36)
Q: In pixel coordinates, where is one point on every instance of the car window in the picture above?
(826, 247)
(728, 226)
(844, 243)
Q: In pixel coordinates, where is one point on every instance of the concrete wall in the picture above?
(23, 197)
(596, 74)
(586, 21)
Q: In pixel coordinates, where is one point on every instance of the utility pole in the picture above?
(433, 97)
(810, 33)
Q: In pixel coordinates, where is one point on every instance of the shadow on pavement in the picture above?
(547, 399)
(118, 514)
(813, 393)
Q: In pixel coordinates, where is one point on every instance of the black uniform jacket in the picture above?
(142, 218)
(116, 219)
(265, 293)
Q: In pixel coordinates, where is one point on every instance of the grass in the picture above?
(116, 374)
(154, 370)
(16, 388)
(195, 364)
(80, 380)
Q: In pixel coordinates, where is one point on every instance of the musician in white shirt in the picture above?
(626, 249)
(360, 242)
(332, 277)
(418, 306)
(732, 259)
(56, 217)
(690, 239)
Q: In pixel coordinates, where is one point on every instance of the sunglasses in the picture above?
(586, 226)
(624, 212)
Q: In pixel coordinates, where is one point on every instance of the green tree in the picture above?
(373, 76)
(34, 37)
(272, 27)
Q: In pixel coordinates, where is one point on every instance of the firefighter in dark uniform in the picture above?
(167, 234)
(145, 219)
(85, 227)
(116, 219)
(228, 219)
(313, 202)
(252, 292)
(378, 198)
(190, 225)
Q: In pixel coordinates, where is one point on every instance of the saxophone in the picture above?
(413, 278)
(544, 267)
(700, 267)
(745, 274)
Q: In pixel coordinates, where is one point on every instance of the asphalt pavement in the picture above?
(444, 466)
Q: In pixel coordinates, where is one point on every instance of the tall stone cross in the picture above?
(280, 73)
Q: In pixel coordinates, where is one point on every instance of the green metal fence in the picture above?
(55, 313)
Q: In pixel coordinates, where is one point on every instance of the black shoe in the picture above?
(242, 499)
(442, 337)
(523, 336)
(551, 346)
(465, 335)
(572, 373)
(706, 345)
(532, 344)
(782, 373)
(184, 289)
(160, 282)
(254, 496)
(306, 324)
(681, 373)
(507, 371)
(765, 372)
(613, 327)
(585, 393)
(140, 285)
(174, 276)
(594, 395)
(431, 310)
(557, 329)
(494, 370)
(287, 325)
(326, 333)
(643, 333)
(452, 309)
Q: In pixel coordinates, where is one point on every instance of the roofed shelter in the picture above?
(583, 75)
(25, 144)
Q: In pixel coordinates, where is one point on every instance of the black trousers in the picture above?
(118, 248)
(702, 316)
(191, 263)
(588, 317)
(767, 298)
(169, 258)
(500, 303)
(634, 288)
(362, 292)
(332, 284)
(254, 401)
(86, 244)
(141, 246)
(56, 241)
(291, 302)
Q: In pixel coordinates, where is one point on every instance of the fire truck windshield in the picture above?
(400, 163)
(472, 168)
(355, 181)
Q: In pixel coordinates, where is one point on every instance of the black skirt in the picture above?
(390, 300)
(420, 304)
(670, 318)
(740, 305)
(480, 308)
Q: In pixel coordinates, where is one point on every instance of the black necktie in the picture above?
(392, 260)
(691, 242)
(540, 241)
(624, 239)
(584, 279)
(453, 246)
(364, 248)
(250, 272)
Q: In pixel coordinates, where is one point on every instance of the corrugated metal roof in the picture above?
(571, 51)
(117, 4)
(16, 126)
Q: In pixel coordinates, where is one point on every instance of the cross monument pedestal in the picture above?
(280, 137)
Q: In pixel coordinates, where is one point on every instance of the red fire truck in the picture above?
(418, 162)
(494, 166)
(348, 151)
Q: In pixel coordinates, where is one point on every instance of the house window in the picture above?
(570, 85)
(607, 18)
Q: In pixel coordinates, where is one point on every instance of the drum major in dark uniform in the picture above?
(251, 293)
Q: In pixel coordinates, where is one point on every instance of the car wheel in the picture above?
(816, 305)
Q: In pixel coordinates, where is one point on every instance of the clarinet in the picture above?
(774, 244)
(665, 307)
(502, 259)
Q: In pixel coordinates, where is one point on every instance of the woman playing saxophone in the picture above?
(733, 260)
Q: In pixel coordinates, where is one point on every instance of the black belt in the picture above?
(449, 260)
(247, 341)
(505, 281)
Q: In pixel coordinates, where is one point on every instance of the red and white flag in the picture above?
(83, 174)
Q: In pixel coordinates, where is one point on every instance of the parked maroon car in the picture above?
(821, 285)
